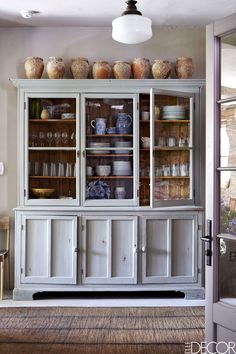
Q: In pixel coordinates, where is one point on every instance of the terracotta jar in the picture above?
(34, 67)
(161, 69)
(79, 68)
(184, 67)
(55, 68)
(101, 70)
(141, 68)
(121, 70)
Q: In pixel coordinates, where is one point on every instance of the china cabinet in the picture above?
(111, 185)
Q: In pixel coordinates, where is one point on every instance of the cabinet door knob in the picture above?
(144, 249)
(76, 250)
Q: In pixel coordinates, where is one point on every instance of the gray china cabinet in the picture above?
(111, 186)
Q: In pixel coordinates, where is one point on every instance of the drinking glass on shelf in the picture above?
(57, 137)
(69, 169)
(49, 138)
(33, 139)
(61, 169)
(36, 168)
(65, 138)
(72, 139)
(46, 168)
(41, 138)
(53, 169)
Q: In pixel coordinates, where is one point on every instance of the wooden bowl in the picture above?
(42, 192)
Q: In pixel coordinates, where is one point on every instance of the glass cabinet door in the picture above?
(51, 150)
(109, 149)
(166, 174)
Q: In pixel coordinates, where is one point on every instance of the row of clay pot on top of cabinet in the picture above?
(139, 69)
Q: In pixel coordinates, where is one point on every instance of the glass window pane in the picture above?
(228, 67)
(228, 134)
(227, 280)
(228, 202)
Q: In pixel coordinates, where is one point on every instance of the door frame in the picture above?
(217, 313)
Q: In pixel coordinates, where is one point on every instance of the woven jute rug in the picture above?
(100, 330)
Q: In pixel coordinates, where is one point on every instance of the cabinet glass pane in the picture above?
(172, 148)
(228, 134)
(228, 202)
(109, 148)
(144, 150)
(52, 148)
(228, 69)
(227, 278)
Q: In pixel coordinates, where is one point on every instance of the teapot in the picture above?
(123, 123)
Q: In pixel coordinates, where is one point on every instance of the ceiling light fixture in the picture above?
(131, 27)
(28, 13)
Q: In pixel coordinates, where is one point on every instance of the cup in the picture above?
(120, 193)
(161, 141)
(183, 167)
(46, 168)
(111, 130)
(145, 115)
(145, 142)
(99, 124)
(53, 169)
(61, 169)
(175, 170)
(36, 168)
(182, 142)
(171, 141)
(69, 169)
(89, 171)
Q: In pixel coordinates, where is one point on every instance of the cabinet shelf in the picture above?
(42, 121)
(110, 135)
(169, 121)
(174, 148)
(52, 177)
(52, 148)
(110, 177)
(109, 155)
(172, 177)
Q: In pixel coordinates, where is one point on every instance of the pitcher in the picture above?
(123, 123)
(99, 124)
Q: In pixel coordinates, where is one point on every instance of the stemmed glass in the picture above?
(57, 137)
(49, 136)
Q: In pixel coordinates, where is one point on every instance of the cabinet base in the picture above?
(32, 294)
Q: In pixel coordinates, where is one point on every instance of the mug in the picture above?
(111, 130)
(161, 141)
(145, 142)
(120, 193)
(99, 124)
(171, 141)
(145, 115)
(89, 171)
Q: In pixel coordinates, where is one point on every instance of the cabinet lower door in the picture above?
(109, 250)
(49, 249)
(169, 249)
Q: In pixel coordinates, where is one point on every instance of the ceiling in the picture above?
(96, 13)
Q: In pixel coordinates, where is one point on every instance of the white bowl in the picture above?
(103, 170)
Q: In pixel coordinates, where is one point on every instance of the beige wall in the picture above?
(68, 42)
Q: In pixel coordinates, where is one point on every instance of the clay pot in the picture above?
(161, 69)
(184, 67)
(55, 68)
(79, 68)
(141, 68)
(45, 114)
(121, 70)
(34, 67)
(101, 70)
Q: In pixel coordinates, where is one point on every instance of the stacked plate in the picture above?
(123, 144)
(121, 168)
(97, 146)
(173, 112)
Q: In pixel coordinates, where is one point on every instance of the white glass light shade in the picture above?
(131, 29)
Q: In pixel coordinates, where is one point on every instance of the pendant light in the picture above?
(131, 27)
